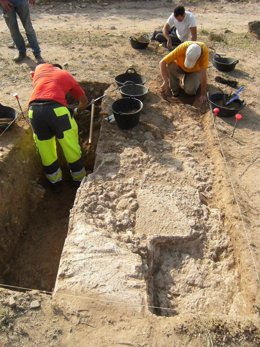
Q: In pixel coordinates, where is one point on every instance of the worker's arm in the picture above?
(166, 34)
(193, 31)
(77, 92)
(6, 5)
(165, 88)
(203, 85)
(83, 102)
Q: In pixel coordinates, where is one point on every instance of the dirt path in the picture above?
(91, 40)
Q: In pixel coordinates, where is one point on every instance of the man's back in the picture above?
(52, 83)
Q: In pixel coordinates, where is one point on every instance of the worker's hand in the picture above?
(32, 2)
(73, 111)
(169, 43)
(165, 88)
(203, 99)
(182, 80)
(203, 103)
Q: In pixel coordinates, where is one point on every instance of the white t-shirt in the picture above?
(182, 28)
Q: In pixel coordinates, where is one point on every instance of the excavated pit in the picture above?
(34, 218)
(186, 279)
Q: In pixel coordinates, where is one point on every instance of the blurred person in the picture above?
(186, 68)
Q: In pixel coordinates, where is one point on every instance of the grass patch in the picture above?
(217, 37)
(204, 32)
(243, 41)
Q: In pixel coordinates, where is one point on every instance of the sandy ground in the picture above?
(91, 41)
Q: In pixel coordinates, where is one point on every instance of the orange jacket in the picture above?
(52, 83)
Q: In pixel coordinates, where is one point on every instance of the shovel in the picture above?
(102, 96)
(91, 121)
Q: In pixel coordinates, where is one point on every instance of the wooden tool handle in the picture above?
(91, 123)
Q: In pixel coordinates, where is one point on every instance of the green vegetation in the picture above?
(217, 37)
(204, 32)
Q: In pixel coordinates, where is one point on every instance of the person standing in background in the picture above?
(20, 8)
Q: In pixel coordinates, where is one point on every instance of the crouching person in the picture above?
(51, 119)
(186, 68)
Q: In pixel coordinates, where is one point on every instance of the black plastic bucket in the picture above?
(224, 64)
(133, 90)
(218, 101)
(7, 117)
(127, 112)
(129, 75)
(139, 43)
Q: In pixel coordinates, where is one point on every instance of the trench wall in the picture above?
(19, 191)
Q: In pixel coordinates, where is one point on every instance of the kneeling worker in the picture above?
(186, 68)
(51, 119)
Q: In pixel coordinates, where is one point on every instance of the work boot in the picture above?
(39, 59)
(175, 93)
(76, 184)
(19, 57)
(56, 187)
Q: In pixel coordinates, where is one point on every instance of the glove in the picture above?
(73, 111)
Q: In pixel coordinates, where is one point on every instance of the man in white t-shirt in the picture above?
(179, 27)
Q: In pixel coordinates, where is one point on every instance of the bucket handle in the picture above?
(130, 70)
(216, 55)
(235, 62)
(132, 38)
(126, 83)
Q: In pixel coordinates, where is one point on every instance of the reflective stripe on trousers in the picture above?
(79, 175)
(55, 177)
(51, 121)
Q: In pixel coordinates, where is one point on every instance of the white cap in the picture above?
(193, 53)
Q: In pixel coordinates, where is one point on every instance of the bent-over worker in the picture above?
(186, 68)
(51, 119)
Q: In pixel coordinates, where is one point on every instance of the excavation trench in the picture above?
(140, 193)
(34, 218)
(149, 211)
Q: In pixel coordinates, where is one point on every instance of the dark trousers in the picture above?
(158, 36)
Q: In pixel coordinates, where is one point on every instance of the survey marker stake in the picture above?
(238, 117)
(215, 113)
(18, 101)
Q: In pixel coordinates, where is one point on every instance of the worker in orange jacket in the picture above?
(51, 119)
